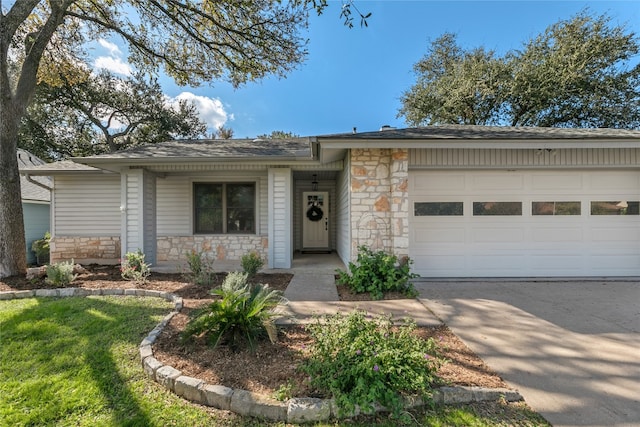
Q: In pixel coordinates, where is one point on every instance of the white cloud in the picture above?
(210, 110)
(113, 48)
(115, 65)
(112, 61)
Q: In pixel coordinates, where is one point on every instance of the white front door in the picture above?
(315, 220)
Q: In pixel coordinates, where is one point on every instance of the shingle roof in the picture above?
(211, 149)
(489, 133)
(29, 190)
(55, 167)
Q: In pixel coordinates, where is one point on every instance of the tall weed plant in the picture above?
(377, 273)
(200, 268)
(133, 267)
(363, 361)
(242, 315)
(251, 263)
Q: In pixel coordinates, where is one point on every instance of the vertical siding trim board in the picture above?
(279, 223)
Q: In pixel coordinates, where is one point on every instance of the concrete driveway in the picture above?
(572, 348)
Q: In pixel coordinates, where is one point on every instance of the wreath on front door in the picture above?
(314, 213)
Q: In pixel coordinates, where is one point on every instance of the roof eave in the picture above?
(480, 143)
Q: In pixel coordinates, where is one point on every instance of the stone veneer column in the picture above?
(400, 201)
(379, 200)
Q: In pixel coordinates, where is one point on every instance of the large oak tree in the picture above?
(194, 41)
(582, 72)
(103, 113)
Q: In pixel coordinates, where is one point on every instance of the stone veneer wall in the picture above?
(379, 200)
(224, 248)
(86, 250)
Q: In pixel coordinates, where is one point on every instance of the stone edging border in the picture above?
(243, 402)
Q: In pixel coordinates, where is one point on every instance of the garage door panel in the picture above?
(555, 182)
(497, 235)
(611, 181)
(616, 234)
(525, 245)
(497, 182)
(436, 184)
(502, 264)
(560, 234)
(439, 235)
(607, 262)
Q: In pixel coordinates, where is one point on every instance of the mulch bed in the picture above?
(273, 365)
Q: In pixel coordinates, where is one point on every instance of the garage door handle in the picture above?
(326, 224)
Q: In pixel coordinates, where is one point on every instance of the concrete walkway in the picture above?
(572, 349)
(312, 292)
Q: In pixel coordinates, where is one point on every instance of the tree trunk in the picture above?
(12, 244)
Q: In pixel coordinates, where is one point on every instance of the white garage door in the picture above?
(525, 223)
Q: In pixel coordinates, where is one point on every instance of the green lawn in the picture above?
(74, 362)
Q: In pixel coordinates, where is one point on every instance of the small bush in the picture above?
(251, 263)
(377, 273)
(361, 361)
(201, 270)
(41, 248)
(60, 274)
(243, 314)
(133, 267)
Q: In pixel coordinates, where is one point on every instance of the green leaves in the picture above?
(241, 316)
(578, 73)
(377, 273)
(363, 360)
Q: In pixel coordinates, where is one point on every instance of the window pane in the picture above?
(241, 195)
(241, 208)
(555, 208)
(621, 207)
(497, 208)
(207, 195)
(207, 199)
(209, 220)
(437, 208)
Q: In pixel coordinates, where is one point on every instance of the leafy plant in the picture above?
(363, 361)
(377, 273)
(61, 273)
(251, 263)
(284, 391)
(243, 314)
(201, 270)
(41, 248)
(133, 267)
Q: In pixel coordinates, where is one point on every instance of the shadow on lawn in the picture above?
(92, 330)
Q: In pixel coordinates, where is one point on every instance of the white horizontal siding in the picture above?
(174, 209)
(87, 205)
(575, 157)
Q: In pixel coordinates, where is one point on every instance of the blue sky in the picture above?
(355, 77)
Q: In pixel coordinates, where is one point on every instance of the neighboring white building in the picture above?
(461, 201)
(36, 200)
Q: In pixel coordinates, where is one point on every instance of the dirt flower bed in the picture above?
(274, 367)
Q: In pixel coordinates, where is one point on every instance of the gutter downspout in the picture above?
(39, 184)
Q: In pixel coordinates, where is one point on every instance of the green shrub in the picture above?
(133, 267)
(243, 314)
(201, 270)
(251, 263)
(60, 274)
(41, 248)
(362, 361)
(377, 273)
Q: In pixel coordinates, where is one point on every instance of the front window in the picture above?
(224, 207)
